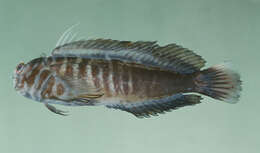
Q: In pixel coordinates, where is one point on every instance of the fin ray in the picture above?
(220, 82)
(156, 107)
(55, 110)
(170, 57)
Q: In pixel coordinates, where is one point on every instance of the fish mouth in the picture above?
(15, 82)
(16, 87)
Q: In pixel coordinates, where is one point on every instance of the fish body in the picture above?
(62, 78)
(142, 78)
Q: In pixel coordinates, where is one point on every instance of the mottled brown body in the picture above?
(140, 77)
(127, 82)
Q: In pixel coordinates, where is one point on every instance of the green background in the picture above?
(219, 30)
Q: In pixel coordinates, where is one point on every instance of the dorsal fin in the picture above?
(170, 57)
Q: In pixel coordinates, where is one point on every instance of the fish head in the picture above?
(26, 78)
(20, 78)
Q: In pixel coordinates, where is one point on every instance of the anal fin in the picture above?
(160, 106)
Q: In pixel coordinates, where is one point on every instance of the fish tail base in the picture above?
(219, 82)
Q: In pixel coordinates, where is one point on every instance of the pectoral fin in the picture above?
(88, 99)
(55, 110)
(91, 96)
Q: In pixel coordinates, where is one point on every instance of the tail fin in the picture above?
(219, 82)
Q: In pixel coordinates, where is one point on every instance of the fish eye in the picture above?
(19, 67)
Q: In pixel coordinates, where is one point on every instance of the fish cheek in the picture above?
(47, 93)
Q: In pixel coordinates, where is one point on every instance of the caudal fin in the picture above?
(219, 82)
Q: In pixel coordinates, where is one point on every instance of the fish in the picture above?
(141, 77)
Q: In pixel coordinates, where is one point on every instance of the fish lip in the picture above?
(16, 87)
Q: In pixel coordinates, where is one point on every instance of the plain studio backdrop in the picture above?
(219, 30)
